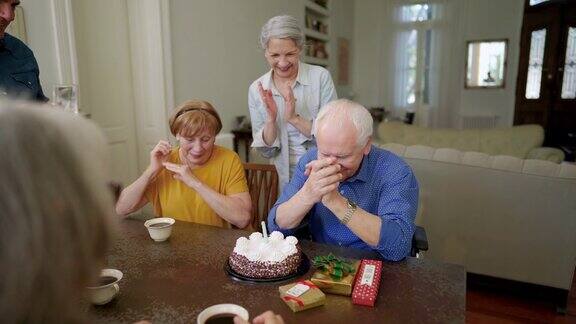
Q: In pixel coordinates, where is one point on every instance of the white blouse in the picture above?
(313, 89)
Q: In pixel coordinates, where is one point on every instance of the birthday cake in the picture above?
(268, 257)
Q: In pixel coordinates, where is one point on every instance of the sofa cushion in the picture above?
(477, 159)
(515, 141)
(395, 148)
(419, 152)
(463, 140)
(523, 141)
(567, 170)
(508, 163)
(539, 167)
(447, 155)
(391, 133)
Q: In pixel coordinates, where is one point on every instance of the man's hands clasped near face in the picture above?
(324, 177)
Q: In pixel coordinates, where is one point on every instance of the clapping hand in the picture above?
(182, 173)
(269, 103)
(323, 178)
(159, 155)
(290, 107)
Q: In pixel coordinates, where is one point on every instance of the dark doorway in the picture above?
(546, 89)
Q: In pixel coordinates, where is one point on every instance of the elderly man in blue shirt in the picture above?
(351, 193)
(19, 73)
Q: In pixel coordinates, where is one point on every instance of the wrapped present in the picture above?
(367, 283)
(334, 275)
(302, 295)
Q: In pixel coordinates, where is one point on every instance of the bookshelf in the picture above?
(317, 32)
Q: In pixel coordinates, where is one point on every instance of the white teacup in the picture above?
(105, 292)
(158, 231)
(222, 309)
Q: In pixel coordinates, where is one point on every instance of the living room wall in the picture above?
(489, 19)
(469, 20)
(41, 39)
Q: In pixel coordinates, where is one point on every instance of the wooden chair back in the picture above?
(263, 185)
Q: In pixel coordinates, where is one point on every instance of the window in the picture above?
(413, 51)
(417, 12)
(569, 79)
(535, 62)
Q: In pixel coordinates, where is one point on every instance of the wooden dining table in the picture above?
(173, 281)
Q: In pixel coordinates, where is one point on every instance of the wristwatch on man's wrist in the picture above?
(349, 211)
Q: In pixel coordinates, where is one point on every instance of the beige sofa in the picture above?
(523, 142)
(497, 215)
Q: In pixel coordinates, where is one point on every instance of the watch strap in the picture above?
(349, 211)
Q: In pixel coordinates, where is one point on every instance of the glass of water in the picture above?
(66, 97)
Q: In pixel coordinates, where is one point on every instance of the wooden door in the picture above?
(562, 124)
(543, 47)
(105, 80)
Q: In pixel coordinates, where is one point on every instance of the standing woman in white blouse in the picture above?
(284, 102)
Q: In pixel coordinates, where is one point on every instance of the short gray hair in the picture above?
(55, 212)
(338, 111)
(282, 27)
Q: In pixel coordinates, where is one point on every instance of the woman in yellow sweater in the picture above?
(196, 181)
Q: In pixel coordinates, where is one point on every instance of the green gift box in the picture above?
(335, 275)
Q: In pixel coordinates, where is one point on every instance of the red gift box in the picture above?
(367, 283)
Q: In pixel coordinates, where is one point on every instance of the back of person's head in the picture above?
(193, 117)
(55, 212)
(338, 112)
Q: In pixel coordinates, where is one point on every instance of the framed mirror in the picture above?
(486, 63)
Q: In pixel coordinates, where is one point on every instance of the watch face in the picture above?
(351, 203)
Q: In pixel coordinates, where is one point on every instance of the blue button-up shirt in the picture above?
(384, 186)
(19, 73)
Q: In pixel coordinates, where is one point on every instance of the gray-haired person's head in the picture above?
(55, 212)
(337, 112)
(282, 27)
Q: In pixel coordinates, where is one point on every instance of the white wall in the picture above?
(368, 80)
(480, 20)
(41, 39)
(342, 24)
(215, 48)
(470, 20)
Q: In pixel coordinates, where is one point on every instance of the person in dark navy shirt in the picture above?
(19, 72)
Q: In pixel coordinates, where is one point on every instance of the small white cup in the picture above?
(222, 309)
(101, 295)
(160, 234)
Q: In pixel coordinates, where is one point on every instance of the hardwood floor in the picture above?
(485, 304)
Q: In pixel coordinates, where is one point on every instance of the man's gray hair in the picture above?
(281, 27)
(338, 111)
(55, 212)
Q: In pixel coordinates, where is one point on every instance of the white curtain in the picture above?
(418, 87)
(404, 81)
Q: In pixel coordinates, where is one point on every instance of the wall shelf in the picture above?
(317, 35)
(316, 61)
(317, 32)
(317, 9)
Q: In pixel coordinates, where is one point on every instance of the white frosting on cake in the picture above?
(274, 248)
